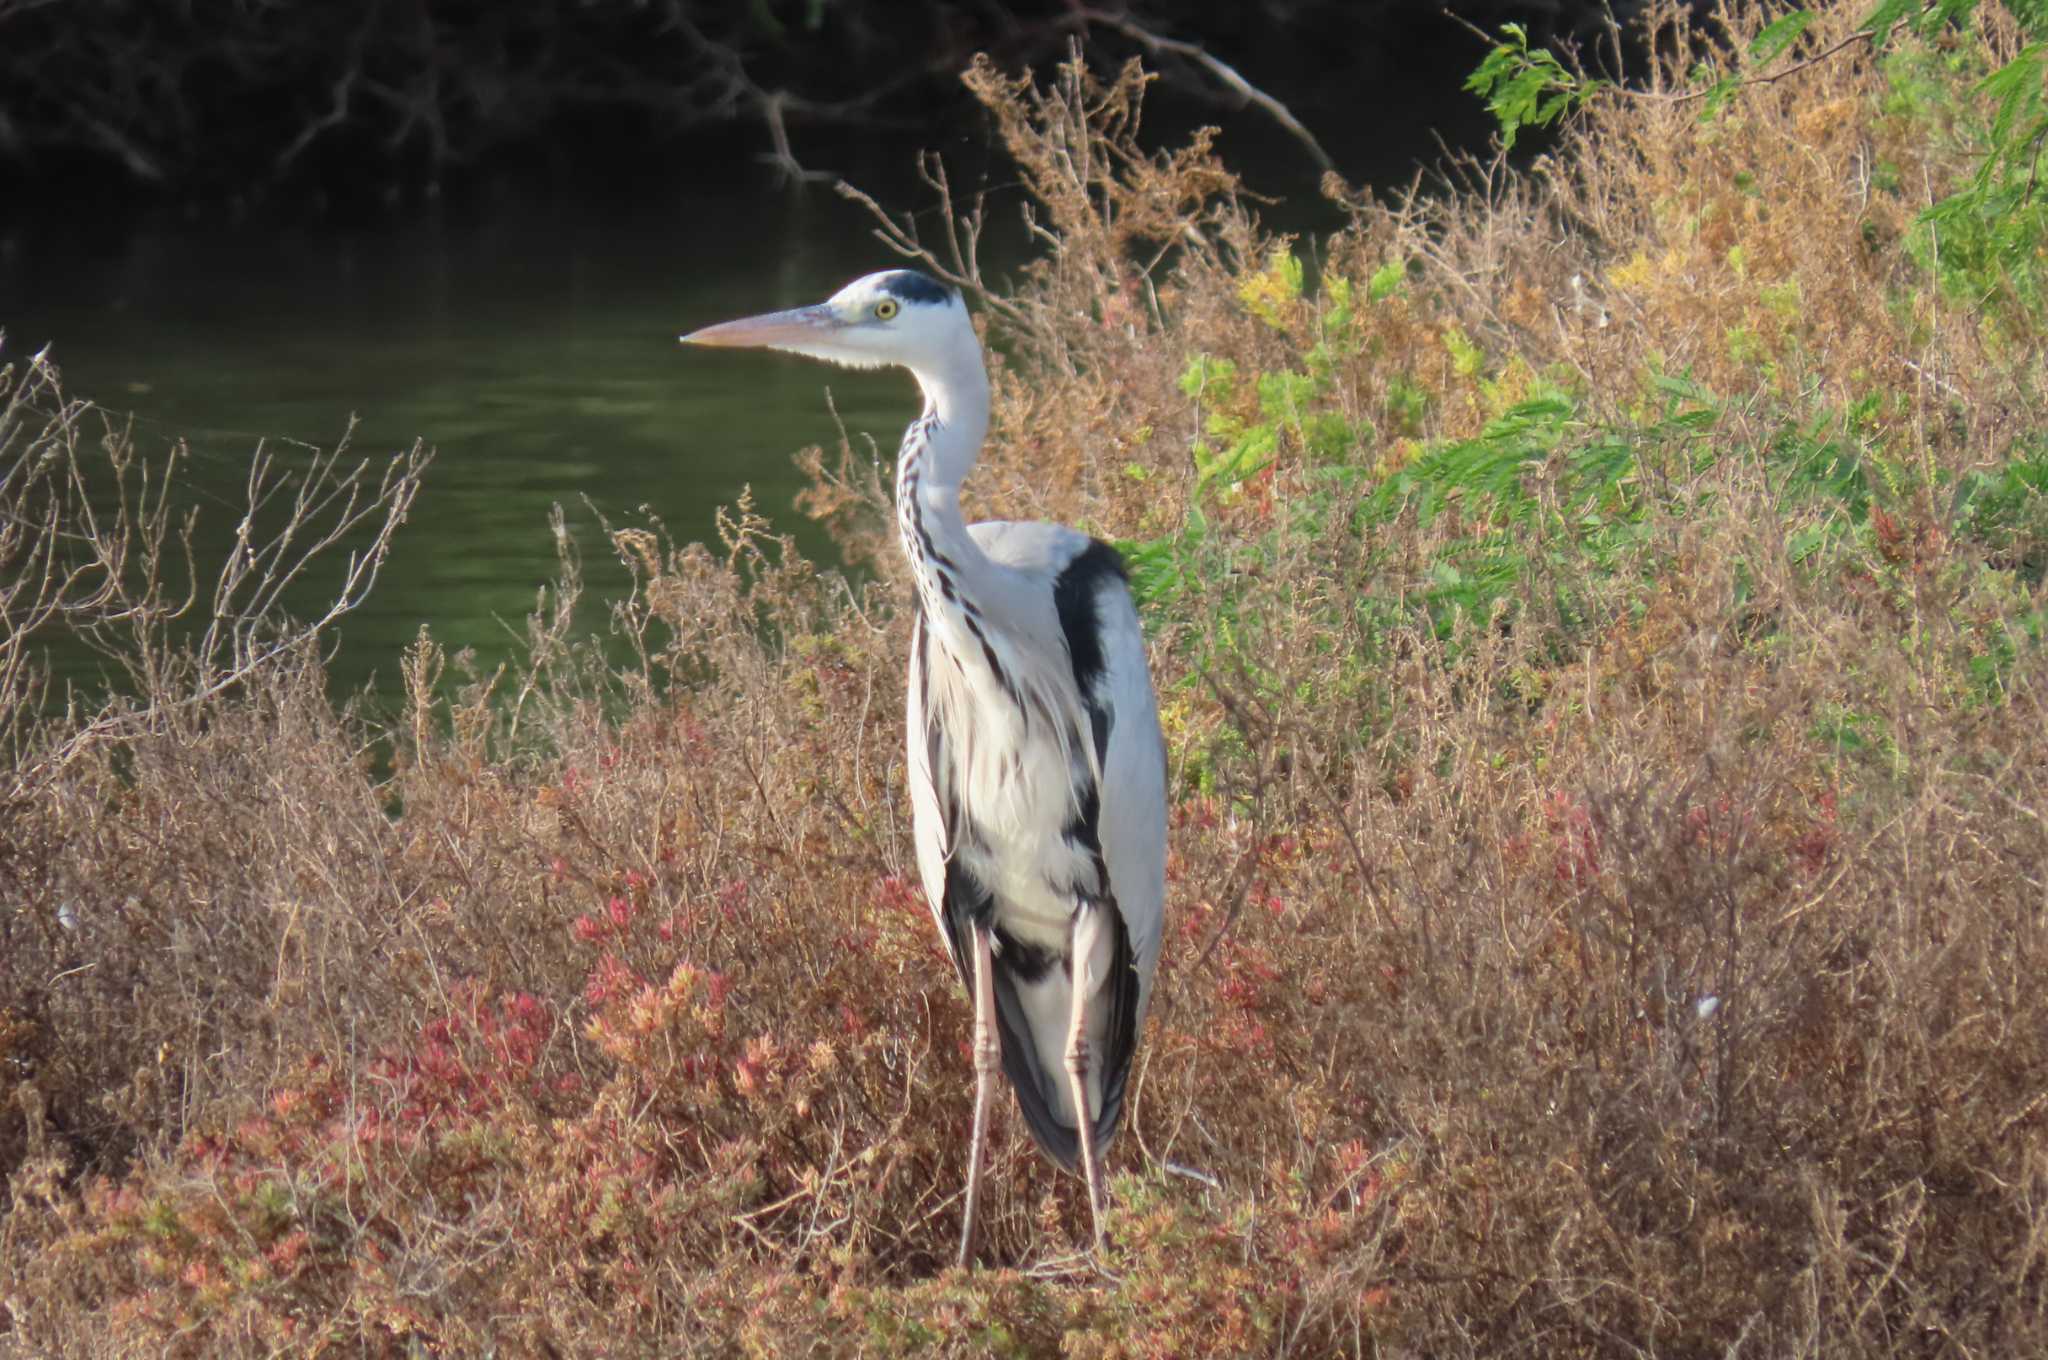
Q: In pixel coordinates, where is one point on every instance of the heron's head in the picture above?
(896, 317)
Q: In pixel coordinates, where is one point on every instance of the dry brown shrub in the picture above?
(1648, 969)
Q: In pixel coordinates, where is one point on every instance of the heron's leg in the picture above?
(1081, 944)
(986, 1055)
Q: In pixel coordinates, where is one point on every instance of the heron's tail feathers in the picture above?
(1034, 1006)
(1058, 1135)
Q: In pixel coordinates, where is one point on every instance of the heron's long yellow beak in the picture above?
(797, 326)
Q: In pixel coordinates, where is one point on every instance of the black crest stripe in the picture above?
(912, 286)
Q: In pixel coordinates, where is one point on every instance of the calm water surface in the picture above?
(530, 339)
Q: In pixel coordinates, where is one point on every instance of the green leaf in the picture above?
(1524, 87)
(1717, 97)
(1805, 542)
(1889, 13)
(2032, 14)
(1204, 372)
(1778, 35)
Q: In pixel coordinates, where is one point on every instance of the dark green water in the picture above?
(529, 339)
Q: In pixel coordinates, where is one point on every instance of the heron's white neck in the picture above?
(957, 395)
(939, 451)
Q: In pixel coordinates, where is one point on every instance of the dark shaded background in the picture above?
(355, 108)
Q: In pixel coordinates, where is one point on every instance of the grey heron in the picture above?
(1037, 768)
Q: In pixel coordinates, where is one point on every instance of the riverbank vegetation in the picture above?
(1599, 621)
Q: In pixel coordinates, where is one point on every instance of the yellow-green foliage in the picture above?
(1599, 622)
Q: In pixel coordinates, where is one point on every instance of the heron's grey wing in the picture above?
(1133, 821)
(1130, 826)
(932, 821)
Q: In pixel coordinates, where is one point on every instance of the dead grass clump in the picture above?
(1605, 851)
(161, 898)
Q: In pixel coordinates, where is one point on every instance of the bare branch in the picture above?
(1223, 71)
(97, 550)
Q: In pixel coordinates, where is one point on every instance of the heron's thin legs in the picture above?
(986, 1055)
(1082, 946)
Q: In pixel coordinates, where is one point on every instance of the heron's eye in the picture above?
(886, 309)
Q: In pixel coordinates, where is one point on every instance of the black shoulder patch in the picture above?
(912, 286)
(1073, 595)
